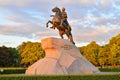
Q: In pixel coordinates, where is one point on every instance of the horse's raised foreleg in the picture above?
(48, 23)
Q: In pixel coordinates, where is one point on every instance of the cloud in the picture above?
(99, 33)
(15, 3)
(90, 19)
(87, 1)
(13, 41)
(19, 29)
(26, 4)
(47, 33)
(105, 3)
(75, 3)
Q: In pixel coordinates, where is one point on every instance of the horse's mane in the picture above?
(59, 10)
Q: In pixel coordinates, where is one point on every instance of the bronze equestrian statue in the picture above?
(60, 22)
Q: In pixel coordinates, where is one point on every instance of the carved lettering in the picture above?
(67, 47)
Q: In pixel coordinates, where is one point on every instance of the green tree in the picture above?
(14, 57)
(115, 50)
(110, 53)
(9, 57)
(4, 56)
(91, 52)
(30, 52)
(82, 49)
(104, 56)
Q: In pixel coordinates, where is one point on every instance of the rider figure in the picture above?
(63, 17)
(64, 21)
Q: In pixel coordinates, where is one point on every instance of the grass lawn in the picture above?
(18, 74)
(100, 76)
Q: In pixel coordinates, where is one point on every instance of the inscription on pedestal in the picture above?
(67, 47)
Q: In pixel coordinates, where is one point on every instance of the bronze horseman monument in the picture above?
(62, 56)
(60, 22)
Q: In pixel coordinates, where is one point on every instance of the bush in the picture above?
(12, 70)
(109, 69)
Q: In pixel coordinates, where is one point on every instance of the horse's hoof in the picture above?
(52, 27)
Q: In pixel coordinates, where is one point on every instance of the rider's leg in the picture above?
(64, 23)
(61, 24)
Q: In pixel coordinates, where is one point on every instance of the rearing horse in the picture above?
(56, 21)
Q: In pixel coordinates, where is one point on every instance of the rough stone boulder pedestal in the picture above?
(62, 57)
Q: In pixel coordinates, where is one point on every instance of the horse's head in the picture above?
(57, 16)
(56, 9)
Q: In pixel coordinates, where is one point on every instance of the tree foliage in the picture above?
(103, 55)
(4, 56)
(15, 57)
(115, 50)
(91, 52)
(30, 52)
(9, 57)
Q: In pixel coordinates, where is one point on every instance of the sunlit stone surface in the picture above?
(62, 57)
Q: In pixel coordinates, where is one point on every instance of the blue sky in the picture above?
(91, 20)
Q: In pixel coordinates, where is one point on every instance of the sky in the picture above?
(90, 20)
